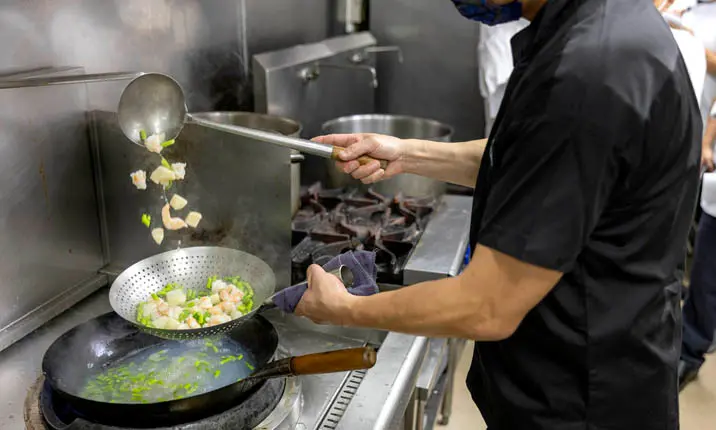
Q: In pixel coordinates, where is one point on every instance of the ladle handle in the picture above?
(334, 361)
(362, 160)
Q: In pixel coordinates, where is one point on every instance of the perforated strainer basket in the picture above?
(190, 268)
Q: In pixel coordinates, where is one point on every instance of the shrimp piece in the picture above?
(218, 319)
(205, 303)
(178, 202)
(216, 310)
(225, 295)
(179, 170)
(215, 299)
(163, 309)
(169, 222)
(228, 307)
(183, 326)
(218, 285)
(154, 142)
(192, 323)
(139, 179)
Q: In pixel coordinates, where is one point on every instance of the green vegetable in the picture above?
(167, 288)
(217, 373)
(168, 143)
(184, 315)
(166, 164)
(142, 135)
(251, 368)
(210, 344)
(190, 295)
(155, 296)
(146, 220)
(210, 281)
(227, 359)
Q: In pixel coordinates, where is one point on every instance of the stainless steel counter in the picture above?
(384, 390)
(441, 250)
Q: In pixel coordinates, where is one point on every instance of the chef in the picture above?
(583, 198)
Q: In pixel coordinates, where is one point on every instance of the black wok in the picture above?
(79, 353)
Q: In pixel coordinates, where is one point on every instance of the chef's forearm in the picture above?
(443, 308)
(457, 162)
(710, 134)
(711, 62)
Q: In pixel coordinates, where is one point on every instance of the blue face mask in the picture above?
(480, 10)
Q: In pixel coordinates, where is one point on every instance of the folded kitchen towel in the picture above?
(361, 263)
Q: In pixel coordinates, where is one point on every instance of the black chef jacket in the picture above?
(591, 170)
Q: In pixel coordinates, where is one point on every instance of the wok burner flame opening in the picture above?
(332, 221)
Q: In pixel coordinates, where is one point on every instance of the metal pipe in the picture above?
(66, 80)
(369, 69)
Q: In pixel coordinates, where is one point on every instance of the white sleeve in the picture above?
(713, 111)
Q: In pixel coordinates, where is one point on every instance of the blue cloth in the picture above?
(700, 307)
(482, 11)
(361, 263)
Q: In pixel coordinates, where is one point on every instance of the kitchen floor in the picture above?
(698, 400)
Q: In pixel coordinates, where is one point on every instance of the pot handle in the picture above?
(334, 361)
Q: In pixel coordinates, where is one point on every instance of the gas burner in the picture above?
(333, 221)
(279, 407)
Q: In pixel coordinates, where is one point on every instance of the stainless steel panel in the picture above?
(280, 87)
(241, 186)
(48, 210)
(441, 250)
(439, 77)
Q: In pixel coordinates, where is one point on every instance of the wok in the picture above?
(88, 348)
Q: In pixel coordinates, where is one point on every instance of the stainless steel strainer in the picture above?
(190, 268)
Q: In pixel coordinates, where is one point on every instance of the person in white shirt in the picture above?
(494, 58)
(699, 311)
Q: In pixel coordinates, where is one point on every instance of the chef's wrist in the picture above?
(416, 154)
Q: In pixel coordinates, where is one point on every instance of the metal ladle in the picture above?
(154, 103)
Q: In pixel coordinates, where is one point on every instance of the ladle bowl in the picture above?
(154, 103)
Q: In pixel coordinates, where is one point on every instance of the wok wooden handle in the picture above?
(334, 361)
(362, 160)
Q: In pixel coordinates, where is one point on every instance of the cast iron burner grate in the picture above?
(46, 410)
(332, 221)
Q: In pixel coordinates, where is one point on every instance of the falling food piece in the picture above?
(172, 223)
(179, 170)
(158, 235)
(154, 142)
(178, 202)
(139, 179)
(162, 175)
(193, 219)
(146, 220)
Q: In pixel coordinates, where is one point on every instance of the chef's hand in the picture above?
(326, 301)
(707, 158)
(377, 146)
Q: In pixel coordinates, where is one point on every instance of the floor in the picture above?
(698, 400)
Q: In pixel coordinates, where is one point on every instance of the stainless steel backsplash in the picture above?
(50, 210)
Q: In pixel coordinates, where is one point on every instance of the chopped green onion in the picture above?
(251, 368)
(168, 143)
(146, 220)
(166, 164)
(142, 135)
(209, 282)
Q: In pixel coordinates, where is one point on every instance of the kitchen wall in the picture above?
(439, 77)
(50, 216)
